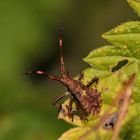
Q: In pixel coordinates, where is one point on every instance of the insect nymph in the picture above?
(86, 99)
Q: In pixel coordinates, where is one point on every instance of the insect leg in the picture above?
(95, 79)
(81, 76)
(79, 80)
(82, 114)
(54, 102)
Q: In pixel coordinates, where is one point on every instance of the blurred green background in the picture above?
(29, 31)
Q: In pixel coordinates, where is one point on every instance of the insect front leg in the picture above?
(81, 75)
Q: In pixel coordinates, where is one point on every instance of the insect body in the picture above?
(87, 100)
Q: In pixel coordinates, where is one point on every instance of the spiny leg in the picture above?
(81, 75)
(54, 102)
(93, 80)
(79, 108)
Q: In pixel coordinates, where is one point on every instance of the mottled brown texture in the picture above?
(87, 99)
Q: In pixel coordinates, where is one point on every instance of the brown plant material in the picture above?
(127, 92)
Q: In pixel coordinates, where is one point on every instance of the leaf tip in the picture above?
(85, 59)
(135, 4)
(103, 35)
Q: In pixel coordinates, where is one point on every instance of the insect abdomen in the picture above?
(91, 102)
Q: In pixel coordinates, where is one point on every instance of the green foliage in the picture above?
(25, 112)
(114, 65)
(135, 4)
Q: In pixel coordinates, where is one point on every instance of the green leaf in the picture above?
(131, 129)
(75, 133)
(105, 58)
(135, 4)
(92, 120)
(126, 36)
(106, 88)
(111, 82)
(109, 85)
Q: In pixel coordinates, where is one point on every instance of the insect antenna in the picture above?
(39, 72)
(62, 66)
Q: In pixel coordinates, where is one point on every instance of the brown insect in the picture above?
(87, 99)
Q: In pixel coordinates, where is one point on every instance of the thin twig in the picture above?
(124, 107)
